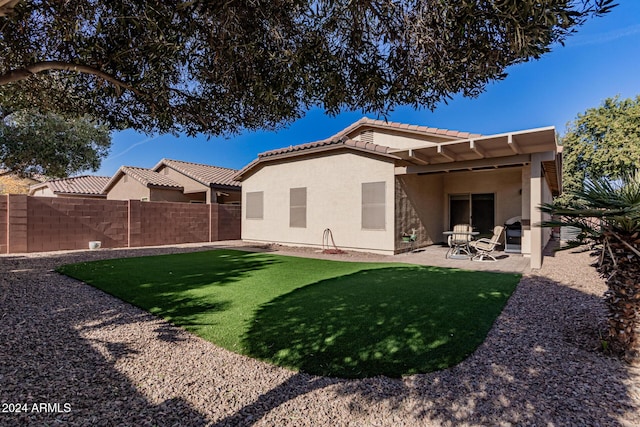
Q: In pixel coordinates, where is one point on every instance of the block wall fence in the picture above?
(40, 224)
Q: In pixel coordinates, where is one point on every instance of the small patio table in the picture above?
(460, 249)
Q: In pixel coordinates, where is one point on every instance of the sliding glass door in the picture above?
(475, 209)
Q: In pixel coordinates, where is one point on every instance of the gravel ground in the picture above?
(98, 361)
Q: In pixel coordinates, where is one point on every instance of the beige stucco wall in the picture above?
(402, 141)
(540, 193)
(334, 186)
(164, 195)
(190, 185)
(195, 190)
(44, 192)
(129, 190)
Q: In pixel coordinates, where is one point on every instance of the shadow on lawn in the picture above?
(166, 285)
(527, 372)
(386, 321)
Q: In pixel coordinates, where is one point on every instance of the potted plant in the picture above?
(406, 237)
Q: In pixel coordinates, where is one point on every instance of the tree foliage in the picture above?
(219, 67)
(49, 144)
(609, 214)
(601, 142)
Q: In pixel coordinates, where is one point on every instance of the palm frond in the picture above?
(602, 204)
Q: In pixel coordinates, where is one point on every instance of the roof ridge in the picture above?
(81, 184)
(135, 175)
(199, 164)
(134, 171)
(78, 176)
(210, 175)
(405, 126)
(343, 140)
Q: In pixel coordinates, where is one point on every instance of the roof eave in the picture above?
(307, 152)
(80, 194)
(113, 180)
(163, 187)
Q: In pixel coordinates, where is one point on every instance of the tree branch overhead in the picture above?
(220, 67)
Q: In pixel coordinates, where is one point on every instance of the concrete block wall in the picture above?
(227, 221)
(17, 223)
(37, 224)
(4, 202)
(162, 222)
(71, 223)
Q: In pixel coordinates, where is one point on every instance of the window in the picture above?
(255, 205)
(373, 205)
(298, 207)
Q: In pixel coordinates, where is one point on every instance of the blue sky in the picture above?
(600, 61)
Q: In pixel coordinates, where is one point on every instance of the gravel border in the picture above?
(63, 342)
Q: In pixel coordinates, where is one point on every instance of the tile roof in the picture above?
(342, 139)
(405, 127)
(323, 145)
(148, 177)
(205, 174)
(328, 143)
(85, 184)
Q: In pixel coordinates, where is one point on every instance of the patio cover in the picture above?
(491, 151)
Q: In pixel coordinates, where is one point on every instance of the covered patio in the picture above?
(484, 182)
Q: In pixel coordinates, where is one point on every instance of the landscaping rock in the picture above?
(73, 355)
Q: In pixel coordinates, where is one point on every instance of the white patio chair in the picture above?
(484, 247)
(459, 243)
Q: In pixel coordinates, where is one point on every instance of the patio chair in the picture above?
(484, 247)
(459, 243)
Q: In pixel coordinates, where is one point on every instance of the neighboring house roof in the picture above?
(205, 174)
(425, 130)
(318, 146)
(88, 185)
(146, 177)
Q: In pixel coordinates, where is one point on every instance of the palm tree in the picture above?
(608, 212)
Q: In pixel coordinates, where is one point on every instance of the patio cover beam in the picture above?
(447, 153)
(418, 157)
(519, 160)
(473, 146)
(513, 145)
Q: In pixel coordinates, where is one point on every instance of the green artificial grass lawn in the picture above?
(343, 319)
